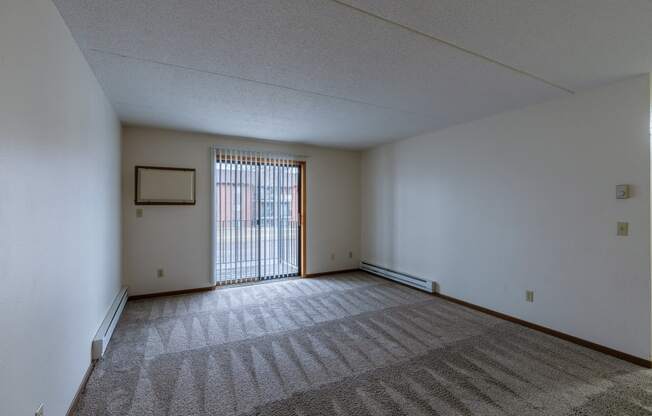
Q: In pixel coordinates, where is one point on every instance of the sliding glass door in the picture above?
(257, 228)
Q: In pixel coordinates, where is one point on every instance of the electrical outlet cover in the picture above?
(622, 191)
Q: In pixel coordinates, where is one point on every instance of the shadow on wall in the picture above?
(385, 210)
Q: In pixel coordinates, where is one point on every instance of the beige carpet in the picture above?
(349, 344)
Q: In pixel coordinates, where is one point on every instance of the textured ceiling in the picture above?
(350, 73)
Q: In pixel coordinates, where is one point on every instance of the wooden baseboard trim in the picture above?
(205, 289)
(172, 293)
(566, 337)
(81, 388)
(332, 272)
(570, 338)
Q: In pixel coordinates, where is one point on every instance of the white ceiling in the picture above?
(350, 73)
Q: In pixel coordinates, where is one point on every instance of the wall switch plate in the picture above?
(40, 411)
(623, 228)
(139, 212)
(529, 296)
(159, 273)
(622, 191)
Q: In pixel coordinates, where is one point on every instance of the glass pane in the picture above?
(257, 203)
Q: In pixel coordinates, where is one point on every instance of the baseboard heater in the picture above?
(103, 335)
(423, 284)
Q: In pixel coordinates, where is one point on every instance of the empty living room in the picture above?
(325, 207)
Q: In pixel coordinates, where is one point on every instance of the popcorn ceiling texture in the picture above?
(349, 344)
(322, 72)
(577, 44)
(312, 71)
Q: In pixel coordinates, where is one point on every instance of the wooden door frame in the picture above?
(302, 217)
(303, 269)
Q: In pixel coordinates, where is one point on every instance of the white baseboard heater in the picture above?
(418, 282)
(103, 335)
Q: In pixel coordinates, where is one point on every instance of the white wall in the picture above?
(59, 209)
(526, 200)
(177, 238)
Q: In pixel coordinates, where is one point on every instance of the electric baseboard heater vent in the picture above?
(103, 335)
(423, 284)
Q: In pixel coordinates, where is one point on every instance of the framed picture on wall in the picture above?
(156, 185)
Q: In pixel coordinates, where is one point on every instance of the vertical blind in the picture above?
(257, 225)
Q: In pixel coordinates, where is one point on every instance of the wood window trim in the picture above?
(137, 185)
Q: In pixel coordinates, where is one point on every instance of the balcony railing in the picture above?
(248, 250)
